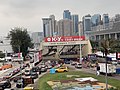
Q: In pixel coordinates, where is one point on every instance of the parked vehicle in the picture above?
(111, 69)
(5, 84)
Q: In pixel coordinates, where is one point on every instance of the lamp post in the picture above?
(80, 60)
(106, 78)
(21, 61)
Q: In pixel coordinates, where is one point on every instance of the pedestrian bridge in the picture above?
(57, 49)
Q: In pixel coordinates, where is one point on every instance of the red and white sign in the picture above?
(118, 55)
(64, 38)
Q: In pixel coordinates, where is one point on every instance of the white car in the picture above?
(78, 65)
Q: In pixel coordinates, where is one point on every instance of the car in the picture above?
(15, 79)
(27, 72)
(62, 69)
(78, 65)
(43, 69)
(19, 83)
(36, 69)
(34, 75)
(73, 63)
(7, 76)
(114, 62)
(5, 84)
(49, 66)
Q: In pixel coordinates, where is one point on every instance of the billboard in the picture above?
(64, 38)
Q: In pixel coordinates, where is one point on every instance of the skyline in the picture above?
(29, 13)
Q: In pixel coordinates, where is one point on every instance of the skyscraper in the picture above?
(80, 28)
(87, 22)
(49, 26)
(37, 37)
(86, 25)
(95, 20)
(105, 18)
(66, 14)
(75, 20)
(65, 27)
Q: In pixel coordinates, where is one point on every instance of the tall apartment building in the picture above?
(75, 20)
(105, 18)
(80, 29)
(87, 25)
(5, 45)
(37, 37)
(66, 14)
(49, 26)
(65, 27)
(95, 20)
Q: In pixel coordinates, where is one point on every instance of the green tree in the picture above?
(20, 40)
(94, 45)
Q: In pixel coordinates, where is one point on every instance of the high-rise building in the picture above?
(37, 37)
(86, 25)
(75, 20)
(49, 26)
(87, 22)
(105, 18)
(80, 28)
(117, 17)
(66, 14)
(65, 27)
(95, 20)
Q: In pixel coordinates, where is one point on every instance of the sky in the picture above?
(29, 13)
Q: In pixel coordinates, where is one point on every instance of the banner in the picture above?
(64, 38)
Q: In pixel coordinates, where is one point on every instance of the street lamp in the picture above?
(21, 61)
(80, 60)
(106, 52)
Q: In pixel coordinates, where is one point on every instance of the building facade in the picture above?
(66, 14)
(75, 20)
(65, 27)
(112, 32)
(86, 25)
(37, 37)
(49, 26)
(5, 45)
(95, 20)
(80, 28)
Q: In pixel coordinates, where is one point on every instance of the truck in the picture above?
(111, 68)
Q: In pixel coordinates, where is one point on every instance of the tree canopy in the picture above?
(20, 40)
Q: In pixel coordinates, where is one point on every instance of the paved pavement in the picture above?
(93, 71)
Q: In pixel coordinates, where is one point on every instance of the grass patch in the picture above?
(62, 76)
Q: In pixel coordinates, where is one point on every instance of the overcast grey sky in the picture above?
(29, 13)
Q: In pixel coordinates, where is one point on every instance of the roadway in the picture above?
(93, 71)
